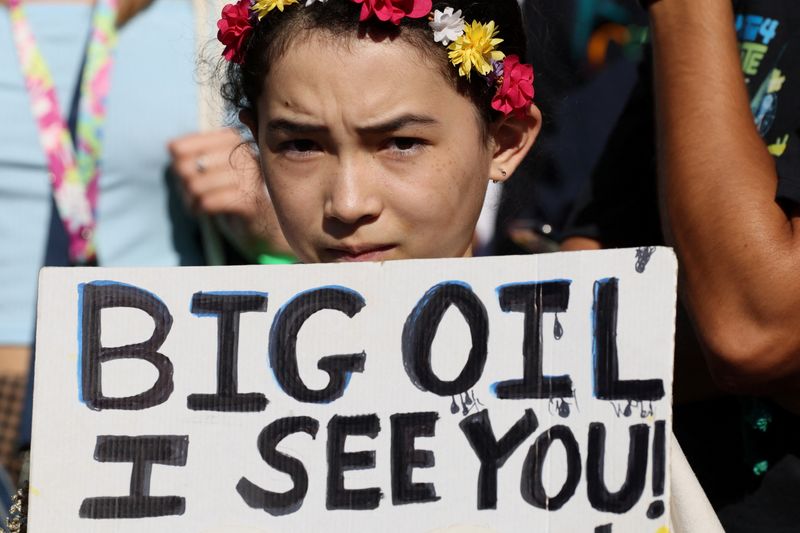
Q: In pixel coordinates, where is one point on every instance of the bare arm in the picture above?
(573, 244)
(127, 8)
(739, 250)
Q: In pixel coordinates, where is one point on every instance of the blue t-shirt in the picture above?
(153, 98)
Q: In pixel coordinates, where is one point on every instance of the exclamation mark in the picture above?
(656, 508)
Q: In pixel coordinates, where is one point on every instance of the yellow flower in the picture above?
(262, 7)
(476, 48)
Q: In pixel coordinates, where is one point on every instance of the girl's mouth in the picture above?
(365, 252)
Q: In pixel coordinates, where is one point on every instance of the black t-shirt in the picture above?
(619, 205)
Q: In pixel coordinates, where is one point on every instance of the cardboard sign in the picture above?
(494, 395)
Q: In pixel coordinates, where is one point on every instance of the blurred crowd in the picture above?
(660, 129)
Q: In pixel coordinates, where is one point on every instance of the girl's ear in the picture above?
(512, 138)
(248, 118)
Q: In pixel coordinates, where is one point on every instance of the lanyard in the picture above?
(74, 163)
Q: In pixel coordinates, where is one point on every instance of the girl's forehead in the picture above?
(350, 75)
(351, 55)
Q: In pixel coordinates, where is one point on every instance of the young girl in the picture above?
(380, 122)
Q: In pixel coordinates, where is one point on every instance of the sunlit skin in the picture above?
(370, 154)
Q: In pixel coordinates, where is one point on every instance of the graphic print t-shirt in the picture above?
(769, 42)
(619, 205)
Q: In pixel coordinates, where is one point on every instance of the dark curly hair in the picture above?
(275, 33)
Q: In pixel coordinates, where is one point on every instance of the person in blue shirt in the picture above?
(156, 162)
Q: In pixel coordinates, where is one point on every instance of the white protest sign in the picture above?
(493, 394)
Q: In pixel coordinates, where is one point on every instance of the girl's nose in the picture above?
(354, 194)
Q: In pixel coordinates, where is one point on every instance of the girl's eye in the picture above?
(405, 145)
(299, 147)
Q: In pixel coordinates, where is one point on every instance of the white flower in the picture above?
(447, 26)
(309, 2)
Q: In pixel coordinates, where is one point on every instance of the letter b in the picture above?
(97, 296)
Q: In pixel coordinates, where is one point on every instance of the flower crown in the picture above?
(471, 46)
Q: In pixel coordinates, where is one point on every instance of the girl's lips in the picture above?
(360, 253)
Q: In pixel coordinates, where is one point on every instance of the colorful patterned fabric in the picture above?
(74, 164)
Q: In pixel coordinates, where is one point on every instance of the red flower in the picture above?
(394, 10)
(235, 27)
(516, 92)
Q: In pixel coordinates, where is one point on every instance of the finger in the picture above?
(197, 143)
(221, 201)
(194, 143)
(190, 169)
(206, 183)
(220, 159)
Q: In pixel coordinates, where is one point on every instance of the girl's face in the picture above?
(370, 154)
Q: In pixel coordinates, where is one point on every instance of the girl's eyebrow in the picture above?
(301, 128)
(290, 127)
(398, 123)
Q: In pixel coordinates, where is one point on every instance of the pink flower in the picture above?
(394, 10)
(235, 27)
(516, 92)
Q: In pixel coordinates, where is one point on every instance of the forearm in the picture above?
(575, 244)
(737, 247)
